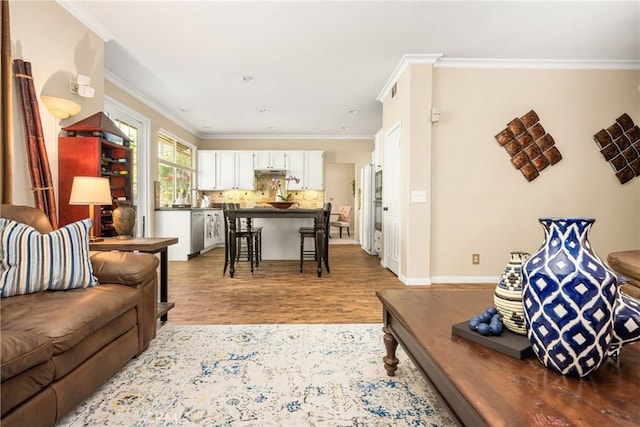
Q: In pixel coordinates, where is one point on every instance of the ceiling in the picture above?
(315, 62)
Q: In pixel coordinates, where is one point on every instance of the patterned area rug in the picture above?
(263, 375)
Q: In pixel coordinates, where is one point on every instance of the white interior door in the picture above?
(136, 127)
(391, 200)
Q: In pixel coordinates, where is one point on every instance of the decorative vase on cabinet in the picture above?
(569, 298)
(124, 219)
(508, 294)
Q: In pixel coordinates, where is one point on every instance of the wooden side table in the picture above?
(150, 245)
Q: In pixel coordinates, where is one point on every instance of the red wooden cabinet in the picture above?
(92, 156)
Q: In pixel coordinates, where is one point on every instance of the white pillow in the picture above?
(32, 262)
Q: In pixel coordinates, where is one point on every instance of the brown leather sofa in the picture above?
(58, 347)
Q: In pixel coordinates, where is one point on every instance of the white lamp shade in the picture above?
(60, 108)
(90, 190)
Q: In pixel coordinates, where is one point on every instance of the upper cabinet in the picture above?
(308, 166)
(225, 170)
(269, 160)
(234, 170)
(206, 173)
(244, 173)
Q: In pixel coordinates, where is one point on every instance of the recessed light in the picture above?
(264, 110)
(248, 79)
(184, 110)
(346, 127)
(206, 127)
(271, 127)
(354, 111)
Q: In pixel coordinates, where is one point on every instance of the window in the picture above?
(132, 132)
(176, 169)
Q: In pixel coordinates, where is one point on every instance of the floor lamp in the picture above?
(90, 190)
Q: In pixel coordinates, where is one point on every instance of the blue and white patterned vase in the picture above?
(569, 298)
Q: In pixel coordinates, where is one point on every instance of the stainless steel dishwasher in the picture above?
(197, 232)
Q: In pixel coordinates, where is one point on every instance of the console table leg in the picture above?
(390, 360)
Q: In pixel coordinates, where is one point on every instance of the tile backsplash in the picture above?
(249, 198)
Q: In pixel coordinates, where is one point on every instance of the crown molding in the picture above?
(76, 9)
(309, 137)
(540, 64)
(405, 62)
(117, 81)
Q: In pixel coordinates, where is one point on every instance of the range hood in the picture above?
(270, 172)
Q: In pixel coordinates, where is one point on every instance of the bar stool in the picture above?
(309, 232)
(242, 234)
(257, 240)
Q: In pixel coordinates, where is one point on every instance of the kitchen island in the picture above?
(280, 239)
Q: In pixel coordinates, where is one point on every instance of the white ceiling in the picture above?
(313, 61)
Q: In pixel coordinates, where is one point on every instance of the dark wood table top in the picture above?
(504, 390)
(142, 244)
(270, 212)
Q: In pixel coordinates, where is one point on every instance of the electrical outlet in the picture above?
(475, 259)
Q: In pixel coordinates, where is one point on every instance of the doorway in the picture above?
(391, 200)
(135, 126)
(339, 190)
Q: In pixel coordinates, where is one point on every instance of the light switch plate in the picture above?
(418, 196)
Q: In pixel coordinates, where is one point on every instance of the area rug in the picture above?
(263, 375)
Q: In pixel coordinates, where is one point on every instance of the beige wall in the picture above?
(410, 107)
(59, 47)
(482, 204)
(356, 151)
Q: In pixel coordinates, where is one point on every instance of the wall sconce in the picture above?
(81, 86)
(60, 108)
(90, 190)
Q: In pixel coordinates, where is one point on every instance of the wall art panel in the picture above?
(619, 144)
(530, 147)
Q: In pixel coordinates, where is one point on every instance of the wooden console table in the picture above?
(150, 245)
(485, 387)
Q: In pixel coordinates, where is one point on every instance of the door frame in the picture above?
(118, 110)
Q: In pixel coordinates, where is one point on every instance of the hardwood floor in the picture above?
(277, 292)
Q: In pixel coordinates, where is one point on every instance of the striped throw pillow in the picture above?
(32, 262)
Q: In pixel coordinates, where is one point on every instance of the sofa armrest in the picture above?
(123, 268)
(135, 269)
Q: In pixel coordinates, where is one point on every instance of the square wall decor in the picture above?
(620, 146)
(530, 147)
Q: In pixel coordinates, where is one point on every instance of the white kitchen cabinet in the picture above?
(295, 168)
(213, 228)
(309, 167)
(234, 170)
(270, 160)
(244, 173)
(206, 173)
(314, 170)
(175, 223)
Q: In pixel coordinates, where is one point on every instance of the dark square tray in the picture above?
(509, 343)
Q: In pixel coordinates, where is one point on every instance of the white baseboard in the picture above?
(465, 279)
(420, 281)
